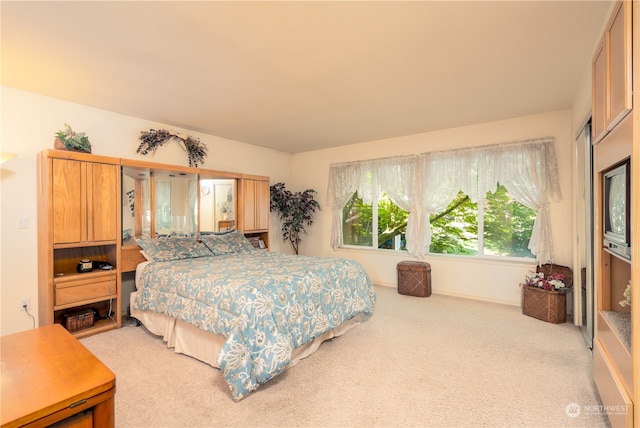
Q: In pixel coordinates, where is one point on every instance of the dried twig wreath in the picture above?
(152, 139)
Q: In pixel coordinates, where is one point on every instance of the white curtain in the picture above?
(444, 174)
(394, 176)
(530, 175)
(427, 184)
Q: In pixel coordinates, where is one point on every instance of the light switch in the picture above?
(23, 222)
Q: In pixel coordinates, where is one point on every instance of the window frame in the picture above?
(374, 226)
(479, 237)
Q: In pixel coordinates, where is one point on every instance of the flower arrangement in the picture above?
(68, 139)
(550, 282)
(152, 139)
(627, 296)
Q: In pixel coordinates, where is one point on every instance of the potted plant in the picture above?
(544, 293)
(68, 139)
(294, 210)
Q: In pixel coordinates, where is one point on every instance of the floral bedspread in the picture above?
(264, 304)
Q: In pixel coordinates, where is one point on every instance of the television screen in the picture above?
(616, 204)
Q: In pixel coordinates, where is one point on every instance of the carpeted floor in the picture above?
(418, 362)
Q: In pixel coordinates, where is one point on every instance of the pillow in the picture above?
(228, 242)
(172, 248)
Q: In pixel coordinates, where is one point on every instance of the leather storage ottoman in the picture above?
(414, 278)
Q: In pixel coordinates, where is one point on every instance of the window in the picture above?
(496, 226)
(385, 217)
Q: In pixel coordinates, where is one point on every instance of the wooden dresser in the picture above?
(48, 376)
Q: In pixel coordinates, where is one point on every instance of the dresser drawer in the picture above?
(84, 290)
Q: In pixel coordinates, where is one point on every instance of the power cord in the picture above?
(110, 313)
(33, 320)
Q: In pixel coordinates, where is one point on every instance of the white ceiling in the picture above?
(297, 75)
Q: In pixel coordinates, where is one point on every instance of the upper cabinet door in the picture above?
(619, 56)
(255, 205)
(599, 93)
(69, 201)
(263, 201)
(85, 201)
(102, 202)
(249, 205)
(612, 73)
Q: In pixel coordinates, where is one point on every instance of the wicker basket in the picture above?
(414, 278)
(565, 271)
(545, 305)
(79, 320)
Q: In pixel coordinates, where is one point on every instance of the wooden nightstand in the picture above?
(49, 376)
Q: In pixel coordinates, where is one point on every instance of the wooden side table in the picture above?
(225, 225)
(48, 376)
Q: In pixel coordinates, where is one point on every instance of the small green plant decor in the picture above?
(68, 139)
(295, 210)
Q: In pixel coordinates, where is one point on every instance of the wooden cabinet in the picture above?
(254, 209)
(598, 74)
(255, 205)
(612, 73)
(616, 346)
(78, 218)
(84, 201)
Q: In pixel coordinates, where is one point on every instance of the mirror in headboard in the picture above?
(136, 204)
(217, 205)
(159, 200)
(158, 203)
(175, 204)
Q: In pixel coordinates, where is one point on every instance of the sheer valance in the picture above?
(426, 184)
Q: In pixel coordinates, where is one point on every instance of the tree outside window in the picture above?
(495, 226)
(386, 218)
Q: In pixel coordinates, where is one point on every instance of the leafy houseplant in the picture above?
(294, 210)
(68, 139)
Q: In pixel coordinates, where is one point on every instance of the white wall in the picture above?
(29, 123)
(469, 277)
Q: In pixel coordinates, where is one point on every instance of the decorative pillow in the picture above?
(172, 248)
(228, 242)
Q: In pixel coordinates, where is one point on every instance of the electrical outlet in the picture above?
(25, 302)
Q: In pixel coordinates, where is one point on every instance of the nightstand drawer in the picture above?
(81, 291)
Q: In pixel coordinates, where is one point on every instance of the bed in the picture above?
(251, 313)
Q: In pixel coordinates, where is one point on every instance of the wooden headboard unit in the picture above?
(145, 174)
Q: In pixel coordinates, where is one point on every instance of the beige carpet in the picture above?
(418, 362)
